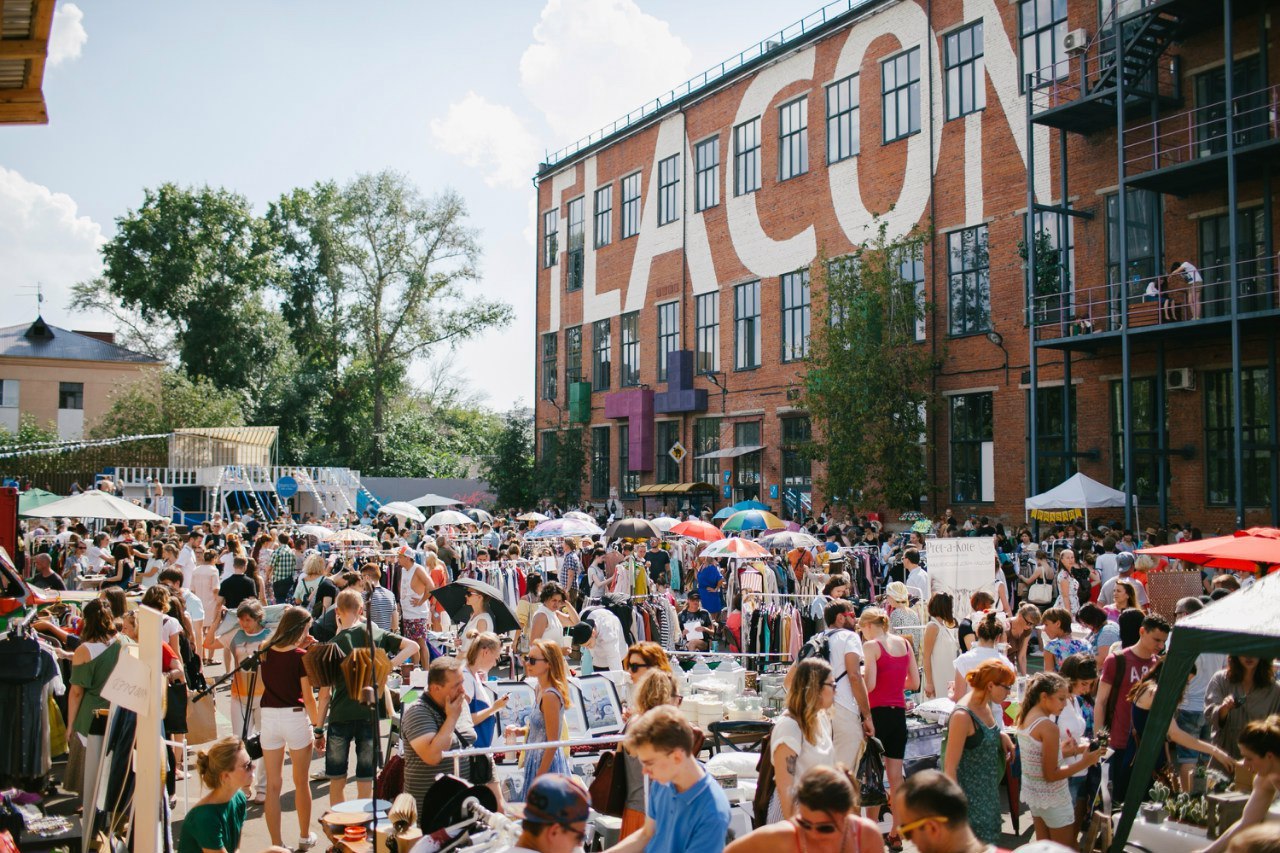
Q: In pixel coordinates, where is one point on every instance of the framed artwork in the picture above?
(519, 705)
(599, 704)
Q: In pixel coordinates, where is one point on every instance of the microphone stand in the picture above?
(370, 697)
(249, 664)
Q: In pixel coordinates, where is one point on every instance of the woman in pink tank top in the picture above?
(889, 670)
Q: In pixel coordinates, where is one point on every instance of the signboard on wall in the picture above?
(961, 567)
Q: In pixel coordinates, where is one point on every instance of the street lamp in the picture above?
(998, 339)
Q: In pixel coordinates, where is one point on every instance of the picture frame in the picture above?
(519, 705)
(598, 705)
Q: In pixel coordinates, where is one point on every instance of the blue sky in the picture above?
(261, 97)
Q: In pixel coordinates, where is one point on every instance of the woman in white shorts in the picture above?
(290, 720)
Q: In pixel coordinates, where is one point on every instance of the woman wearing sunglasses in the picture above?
(216, 821)
(825, 820)
(545, 662)
(644, 656)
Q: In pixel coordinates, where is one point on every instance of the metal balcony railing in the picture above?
(1201, 132)
(1103, 307)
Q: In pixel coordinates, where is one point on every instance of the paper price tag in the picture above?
(129, 684)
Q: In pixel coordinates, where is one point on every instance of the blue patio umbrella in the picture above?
(724, 513)
(741, 505)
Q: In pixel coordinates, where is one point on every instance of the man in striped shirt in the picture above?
(379, 600)
(571, 567)
(284, 570)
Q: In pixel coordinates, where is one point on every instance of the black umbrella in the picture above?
(632, 528)
(453, 598)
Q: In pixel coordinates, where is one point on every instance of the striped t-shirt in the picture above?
(424, 718)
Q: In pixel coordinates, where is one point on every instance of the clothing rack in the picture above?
(458, 754)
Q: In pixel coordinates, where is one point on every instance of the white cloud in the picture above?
(68, 35)
(490, 137)
(44, 239)
(593, 60)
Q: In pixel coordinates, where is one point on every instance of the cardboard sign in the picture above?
(961, 567)
(129, 684)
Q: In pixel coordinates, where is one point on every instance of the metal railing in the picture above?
(239, 475)
(1201, 131)
(1106, 307)
(781, 40)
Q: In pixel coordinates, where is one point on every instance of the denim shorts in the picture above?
(1194, 724)
(337, 751)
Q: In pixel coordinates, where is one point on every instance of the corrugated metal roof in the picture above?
(41, 340)
(17, 19)
(259, 436)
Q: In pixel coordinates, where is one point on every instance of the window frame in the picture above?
(600, 463)
(1145, 433)
(668, 333)
(747, 337)
(1052, 469)
(985, 437)
(793, 138)
(793, 459)
(747, 177)
(602, 368)
(575, 239)
(11, 390)
(602, 217)
(629, 335)
(1149, 263)
(707, 334)
(550, 365)
(669, 190)
(976, 276)
(1035, 35)
(845, 118)
(572, 358)
(665, 435)
(631, 206)
(550, 237)
(969, 71)
(910, 90)
(1219, 439)
(796, 318)
(706, 174)
(706, 439)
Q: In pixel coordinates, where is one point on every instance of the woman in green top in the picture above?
(976, 749)
(91, 666)
(214, 824)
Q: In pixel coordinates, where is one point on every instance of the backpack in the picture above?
(819, 646)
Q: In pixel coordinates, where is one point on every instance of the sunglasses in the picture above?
(820, 828)
(248, 765)
(532, 659)
(907, 828)
(636, 667)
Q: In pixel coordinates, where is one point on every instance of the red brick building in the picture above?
(675, 250)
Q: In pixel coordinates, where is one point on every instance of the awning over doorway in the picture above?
(675, 489)
(731, 452)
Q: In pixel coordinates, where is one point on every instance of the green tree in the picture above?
(30, 432)
(198, 262)
(508, 467)
(561, 465)
(867, 382)
(165, 400)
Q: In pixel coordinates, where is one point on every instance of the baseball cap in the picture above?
(405, 551)
(1124, 561)
(580, 633)
(553, 798)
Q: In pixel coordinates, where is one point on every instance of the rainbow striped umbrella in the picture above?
(735, 547)
(753, 519)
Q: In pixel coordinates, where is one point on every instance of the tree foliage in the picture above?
(165, 400)
(508, 468)
(867, 383)
(560, 466)
(30, 432)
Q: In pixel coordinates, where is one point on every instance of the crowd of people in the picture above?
(1052, 670)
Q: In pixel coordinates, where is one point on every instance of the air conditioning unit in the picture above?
(1180, 379)
(1075, 42)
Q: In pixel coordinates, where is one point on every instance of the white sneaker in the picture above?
(307, 842)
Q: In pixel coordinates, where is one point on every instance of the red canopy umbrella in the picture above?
(1254, 549)
(697, 530)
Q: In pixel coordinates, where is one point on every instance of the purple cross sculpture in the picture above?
(680, 395)
(636, 406)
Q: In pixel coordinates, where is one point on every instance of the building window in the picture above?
(602, 354)
(972, 449)
(797, 469)
(706, 439)
(968, 284)
(746, 325)
(747, 466)
(550, 448)
(577, 237)
(628, 480)
(900, 94)
(572, 357)
(669, 189)
(1051, 466)
(70, 395)
(1251, 112)
(911, 269)
(1142, 211)
(1252, 276)
(1256, 386)
(842, 119)
(549, 366)
(668, 335)
(707, 168)
(1145, 425)
(604, 216)
(746, 157)
(666, 469)
(1052, 303)
(631, 205)
(707, 323)
(9, 393)
(630, 349)
(1042, 24)
(795, 315)
(550, 224)
(600, 463)
(966, 82)
(793, 139)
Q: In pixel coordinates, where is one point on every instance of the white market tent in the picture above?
(431, 500)
(93, 504)
(1077, 492)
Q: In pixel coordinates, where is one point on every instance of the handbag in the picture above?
(609, 784)
(1040, 592)
(765, 783)
(871, 772)
(202, 721)
(391, 778)
(252, 745)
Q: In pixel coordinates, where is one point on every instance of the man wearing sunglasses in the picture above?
(933, 814)
(555, 816)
